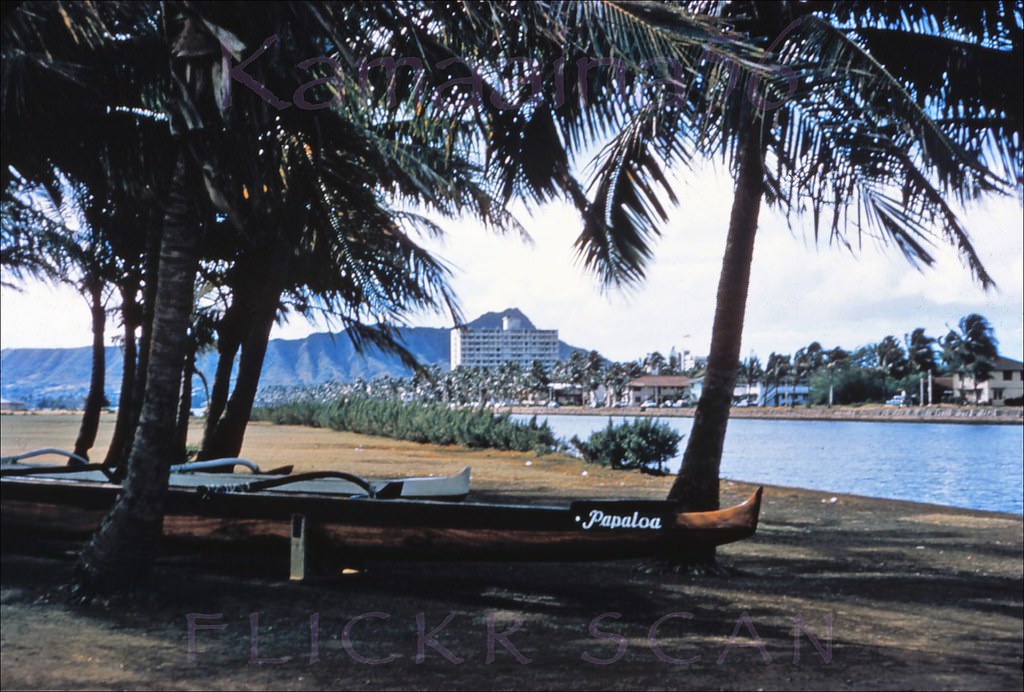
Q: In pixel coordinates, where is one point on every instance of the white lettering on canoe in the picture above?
(600, 519)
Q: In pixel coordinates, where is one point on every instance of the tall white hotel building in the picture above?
(490, 348)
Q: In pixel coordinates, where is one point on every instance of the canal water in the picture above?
(973, 466)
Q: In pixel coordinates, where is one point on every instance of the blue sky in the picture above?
(799, 291)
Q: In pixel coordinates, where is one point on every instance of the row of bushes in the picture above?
(428, 423)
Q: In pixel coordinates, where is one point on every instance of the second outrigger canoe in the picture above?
(347, 527)
(219, 472)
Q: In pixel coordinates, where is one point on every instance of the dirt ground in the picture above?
(834, 592)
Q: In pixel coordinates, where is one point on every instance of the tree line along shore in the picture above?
(978, 415)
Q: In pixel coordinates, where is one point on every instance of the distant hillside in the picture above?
(61, 375)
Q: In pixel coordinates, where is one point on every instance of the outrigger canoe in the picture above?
(219, 472)
(368, 527)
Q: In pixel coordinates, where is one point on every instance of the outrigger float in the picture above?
(307, 511)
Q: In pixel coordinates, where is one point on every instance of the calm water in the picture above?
(975, 466)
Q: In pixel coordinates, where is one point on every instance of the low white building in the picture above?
(768, 394)
(746, 394)
(1006, 382)
(784, 395)
(662, 389)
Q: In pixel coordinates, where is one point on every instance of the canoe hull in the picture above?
(359, 528)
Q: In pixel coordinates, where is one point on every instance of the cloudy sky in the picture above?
(799, 292)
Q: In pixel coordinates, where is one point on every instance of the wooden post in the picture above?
(298, 544)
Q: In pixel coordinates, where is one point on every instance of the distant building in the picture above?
(747, 394)
(8, 406)
(1006, 382)
(661, 389)
(784, 395)
(489, 348)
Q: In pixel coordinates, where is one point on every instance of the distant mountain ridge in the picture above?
(493, 320)
(33, 375)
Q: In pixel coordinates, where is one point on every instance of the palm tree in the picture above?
(777, 369)
(615, 378)
(654, 363)
(891, 361)
(921, 358)
(920, 350)
(60, 215)
(538, 377)
(84, 229)
(852, 125)
(754, 373)
(971, 350)
(355, 258)
(835, 359)
(806, 361)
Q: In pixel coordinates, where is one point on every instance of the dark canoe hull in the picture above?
(386, 529)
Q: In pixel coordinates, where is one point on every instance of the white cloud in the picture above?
(42, 315)
(799, 291)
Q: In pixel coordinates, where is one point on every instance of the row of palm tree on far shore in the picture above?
(867, 373)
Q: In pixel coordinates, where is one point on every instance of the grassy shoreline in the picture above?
(899, 595)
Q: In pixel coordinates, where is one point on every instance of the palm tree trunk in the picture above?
(185, 401)
(120, 555)
(229, 339)
(94, 401)
(123, 425)
(120, 454)
(696, 486)
(229, 434)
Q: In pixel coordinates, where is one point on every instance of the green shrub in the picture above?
(643, 444)
(425, 423)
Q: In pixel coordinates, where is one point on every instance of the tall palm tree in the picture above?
(891, 361)
(95, 246)
(806, 361)
(971, 350)
(851, 127)
(538, 377)
(776, 369)
(835, 359)
(921, 358)
(353, 259)
(754, 374)
(69, 249)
